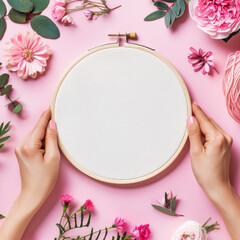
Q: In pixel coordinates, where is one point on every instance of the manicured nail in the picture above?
(52, 124)
(190, 120)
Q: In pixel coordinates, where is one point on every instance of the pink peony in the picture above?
(67, 198)
(218, 18)
(190, 230)
(141, 232)
(58, 11)
(201, 60)
(67, 19)
(121, 224)
(89, 205)
(88, 14)
(27, 55)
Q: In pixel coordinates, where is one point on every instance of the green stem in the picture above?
(79, 8)
(14, 105)
(115, 7)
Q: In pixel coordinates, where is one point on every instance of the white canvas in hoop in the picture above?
(121, 113)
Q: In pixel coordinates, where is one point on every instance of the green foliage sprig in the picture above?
(5, 90)
(169, 9)
(4, 128)
(168, 205)
(24, 10)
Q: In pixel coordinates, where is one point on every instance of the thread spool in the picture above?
(231, 85)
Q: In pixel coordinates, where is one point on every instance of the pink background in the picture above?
(132, 202)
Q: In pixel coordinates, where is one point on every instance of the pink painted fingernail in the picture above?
(190, 120)
(52, 124)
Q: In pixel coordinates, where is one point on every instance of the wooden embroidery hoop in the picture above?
(181, 145)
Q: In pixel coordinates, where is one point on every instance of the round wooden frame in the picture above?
(170, 161)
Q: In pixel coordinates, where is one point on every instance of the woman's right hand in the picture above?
(210, 150)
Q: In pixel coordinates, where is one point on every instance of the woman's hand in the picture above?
(210, 150)
(38, 158)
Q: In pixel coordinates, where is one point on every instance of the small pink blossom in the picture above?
(218, 18)
(66, 198)
(89, 205)
(201, 60)
(27, 55)
(170, 195)
(141, 232)
(67, 19)
(58, 11)
(61, 1)
(121, 224)
(88, 14)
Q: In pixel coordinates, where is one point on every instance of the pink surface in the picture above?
(132, 202)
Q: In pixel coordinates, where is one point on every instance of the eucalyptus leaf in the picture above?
(1, 216)
(3, 9)
(16, 16)
(7, 89)
(18, 108)
(45, 27)
(164, 210)
(167, 19)
(4, 79)
(172, 16)
(2, 27)
(182, 6)
(39, 5)
(24, 6)
(161, 5)
(173, 204)
(155, 15)
(176, 8)
(170, 1)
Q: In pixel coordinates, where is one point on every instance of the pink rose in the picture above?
(121, 224)
(141, 232)
(58, 11)
(89, 205)
(218, 18)
(67, 19)
(190, 230)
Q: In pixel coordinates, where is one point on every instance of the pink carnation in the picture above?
(67, 198)
(141, 232)
(121, 224)
(58, 11)
(89, 205)
(190, 230)
(218, 18)
(27, 55)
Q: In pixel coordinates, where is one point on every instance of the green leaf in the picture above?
(61, 228)
(170, 1)
(91, 234)
(155, 15)
(75, 219)
(167, 23)
(161, 5)
(18, 108)
(173, 204)
(16, 16)
(4, 79)
(25, 6)
(5, 129)
(230, 36)
(172, 16)
(45, 27)
(68, 220)
(39, 5)
(1, 216)
(1, 146)
(1, 127)
(6, 90)
(81, 218)
(3, 9)
(124, 235)
(4, 139)
(2, 27)
(106, 233)
(99, 232)
(182, 6)
(176, 8)
(118, 236)
(164, 210)
(89, 219)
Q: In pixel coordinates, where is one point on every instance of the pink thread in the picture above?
(231, 85)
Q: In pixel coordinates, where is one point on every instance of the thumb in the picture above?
(51, 141)
(195, 135)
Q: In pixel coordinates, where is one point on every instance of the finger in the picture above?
(51, 142)
(195, 135)
(206, 126)
(39, 130)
